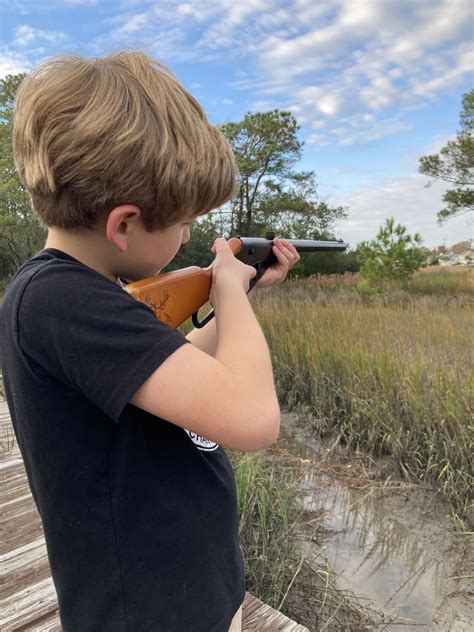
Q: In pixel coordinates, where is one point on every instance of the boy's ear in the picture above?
(120, 221)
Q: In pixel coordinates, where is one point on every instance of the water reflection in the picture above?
(374, 554)
(392, 549)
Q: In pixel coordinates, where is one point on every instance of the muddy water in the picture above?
(394, 548)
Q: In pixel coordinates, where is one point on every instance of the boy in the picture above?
(140, 517)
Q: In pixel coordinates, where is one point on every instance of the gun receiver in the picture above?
(175, 296)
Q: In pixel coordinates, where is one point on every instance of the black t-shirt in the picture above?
(140, 516)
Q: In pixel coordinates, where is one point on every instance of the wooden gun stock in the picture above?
(175, 296)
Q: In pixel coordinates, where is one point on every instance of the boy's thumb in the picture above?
(219, 244)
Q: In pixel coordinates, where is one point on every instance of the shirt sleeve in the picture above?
(91, 334)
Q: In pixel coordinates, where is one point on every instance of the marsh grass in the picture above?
(277, 571)
(443, 280)
(390, 373)
(439, 280)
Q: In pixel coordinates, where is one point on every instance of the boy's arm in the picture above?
(205, 339)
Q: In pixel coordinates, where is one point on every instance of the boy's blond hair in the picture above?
(94, 133)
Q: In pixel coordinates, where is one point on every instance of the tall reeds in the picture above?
(391, 373)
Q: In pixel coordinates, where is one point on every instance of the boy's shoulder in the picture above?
(54, 261)
(52, 293)
(54, 278)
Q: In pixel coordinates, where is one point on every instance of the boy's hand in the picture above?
(287, 256)
(227, 271)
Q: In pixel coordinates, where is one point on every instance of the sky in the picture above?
(373, 84)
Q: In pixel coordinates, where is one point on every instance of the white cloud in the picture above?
(447, 75)
(329, 104)
(370, 133)
(261, 106)
(407, 200)
(133, 25)
(237, 27)
(82, 3)
(27, 7)
(12, 63)
(321, 140)
(26, 35)
(306, 12)
(369, 56)
(187, 9)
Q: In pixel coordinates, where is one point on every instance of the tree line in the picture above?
(272, 197)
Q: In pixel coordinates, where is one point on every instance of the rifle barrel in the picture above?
(301, 245)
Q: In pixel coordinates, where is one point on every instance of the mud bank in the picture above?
(391, 543)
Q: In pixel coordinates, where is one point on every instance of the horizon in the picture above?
(373, 85)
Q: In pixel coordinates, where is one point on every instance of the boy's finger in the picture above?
(280, 253)
(290, 251)
(287, 252)
(288, 245)
(283, 258)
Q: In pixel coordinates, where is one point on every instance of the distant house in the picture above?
(446, 260)
(466, 258)
(451, 259)
(446, 257)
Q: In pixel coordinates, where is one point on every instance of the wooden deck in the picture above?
(28, 600)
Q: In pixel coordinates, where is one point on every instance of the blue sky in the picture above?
(374, 84)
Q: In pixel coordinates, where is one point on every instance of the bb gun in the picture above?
(175, 296)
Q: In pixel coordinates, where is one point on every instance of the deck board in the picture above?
(28, 601)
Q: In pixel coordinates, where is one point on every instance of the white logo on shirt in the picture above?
(201, 442)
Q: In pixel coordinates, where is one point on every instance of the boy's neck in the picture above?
(87, 246)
